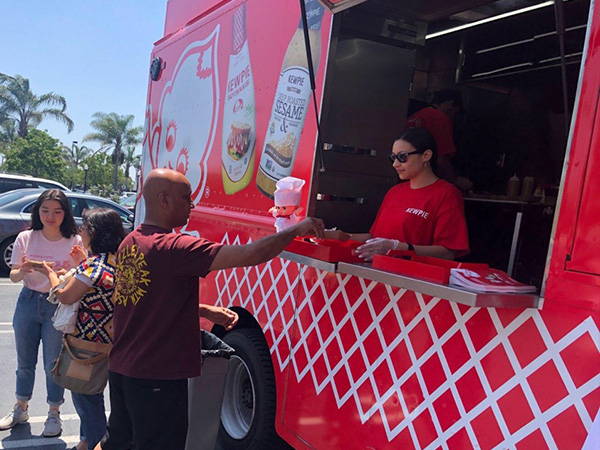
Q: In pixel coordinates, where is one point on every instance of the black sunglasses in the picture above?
(402, 157)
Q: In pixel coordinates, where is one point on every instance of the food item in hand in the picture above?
(39, 264)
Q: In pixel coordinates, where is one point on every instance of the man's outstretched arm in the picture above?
(266, 248)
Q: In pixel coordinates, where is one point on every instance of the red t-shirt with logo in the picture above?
(439, 125)
(156, 321)
(433, 215)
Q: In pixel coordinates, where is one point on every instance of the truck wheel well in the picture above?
(246, 320)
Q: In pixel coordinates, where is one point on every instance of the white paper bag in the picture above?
(65, 316)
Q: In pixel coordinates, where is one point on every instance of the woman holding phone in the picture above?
(52, 239)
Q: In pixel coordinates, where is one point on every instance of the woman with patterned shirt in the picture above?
(93, 285)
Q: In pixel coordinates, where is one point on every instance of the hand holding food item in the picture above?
(337, 234)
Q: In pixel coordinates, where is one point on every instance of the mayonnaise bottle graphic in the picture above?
(239, 122)
(290, 105)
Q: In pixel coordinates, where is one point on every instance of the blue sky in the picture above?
(95, 53)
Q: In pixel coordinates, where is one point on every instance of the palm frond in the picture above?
(51, 99)
(60, 116)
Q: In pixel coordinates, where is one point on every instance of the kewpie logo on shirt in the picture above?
(417, 212)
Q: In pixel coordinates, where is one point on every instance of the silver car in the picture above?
(15, 215)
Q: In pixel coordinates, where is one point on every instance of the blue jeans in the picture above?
(90, 409)
(32, 322)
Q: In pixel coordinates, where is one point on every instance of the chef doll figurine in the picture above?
(287, 201)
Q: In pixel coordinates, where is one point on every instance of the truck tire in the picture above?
(5, 253)
(249, 400)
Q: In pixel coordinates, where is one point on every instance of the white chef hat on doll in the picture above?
(289, 191)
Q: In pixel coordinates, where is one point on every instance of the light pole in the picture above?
(74, 155)
(85, 172)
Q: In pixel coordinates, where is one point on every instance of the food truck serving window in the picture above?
(517, 67)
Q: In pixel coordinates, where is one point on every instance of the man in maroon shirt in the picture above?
(156, 345)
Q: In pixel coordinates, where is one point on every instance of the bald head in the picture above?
(162, 180)
(167, 197)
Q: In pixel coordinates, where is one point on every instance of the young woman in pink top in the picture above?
(52, 238)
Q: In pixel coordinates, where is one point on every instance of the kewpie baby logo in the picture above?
(184, 131)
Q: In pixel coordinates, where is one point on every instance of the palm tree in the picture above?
(76, 154)
(114, 131)
(8, 131)
(21, 105)
(131, 159)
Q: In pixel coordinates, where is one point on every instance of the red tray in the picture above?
(449, 263)
(423, 267)
(411, 268)
(330, 250)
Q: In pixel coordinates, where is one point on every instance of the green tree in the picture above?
(38, 154)
(131, 159)
(8, 132)
(76, 154)
(27, 110)
(99, 176)
(114, 131)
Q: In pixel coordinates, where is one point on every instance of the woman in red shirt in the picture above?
(425, 214)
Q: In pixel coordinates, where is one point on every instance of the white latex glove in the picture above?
(376, 246)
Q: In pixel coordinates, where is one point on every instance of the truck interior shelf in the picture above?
(452, 293)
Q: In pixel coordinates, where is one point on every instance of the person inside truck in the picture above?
(424, 214)
(438, 118)
(156, 343)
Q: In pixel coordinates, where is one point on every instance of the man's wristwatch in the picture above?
(410, 247)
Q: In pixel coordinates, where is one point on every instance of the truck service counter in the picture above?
(448, 292)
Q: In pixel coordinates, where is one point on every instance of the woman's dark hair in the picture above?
(67, 227)
(105, 228)
(421, 140)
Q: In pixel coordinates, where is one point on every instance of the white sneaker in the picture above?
(16, 416)
(52, 425)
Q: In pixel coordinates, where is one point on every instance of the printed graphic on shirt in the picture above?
(131, 276)
(418, 212)
(96, 309)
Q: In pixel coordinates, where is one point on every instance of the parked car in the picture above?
(15, 215)
(129, 202)
(126, 194)
(10, 182)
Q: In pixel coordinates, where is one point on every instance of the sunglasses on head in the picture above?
(402, 157)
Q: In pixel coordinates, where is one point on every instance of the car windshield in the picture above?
(129, 200)
(10, 197)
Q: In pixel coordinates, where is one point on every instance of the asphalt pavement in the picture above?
(28, 436)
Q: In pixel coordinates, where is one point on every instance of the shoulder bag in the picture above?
(82, 366)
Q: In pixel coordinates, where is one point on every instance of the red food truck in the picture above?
(334, 354)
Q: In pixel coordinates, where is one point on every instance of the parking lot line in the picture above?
(36, 442)
(64, 417)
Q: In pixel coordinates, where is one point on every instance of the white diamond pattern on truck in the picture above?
(281, 290)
